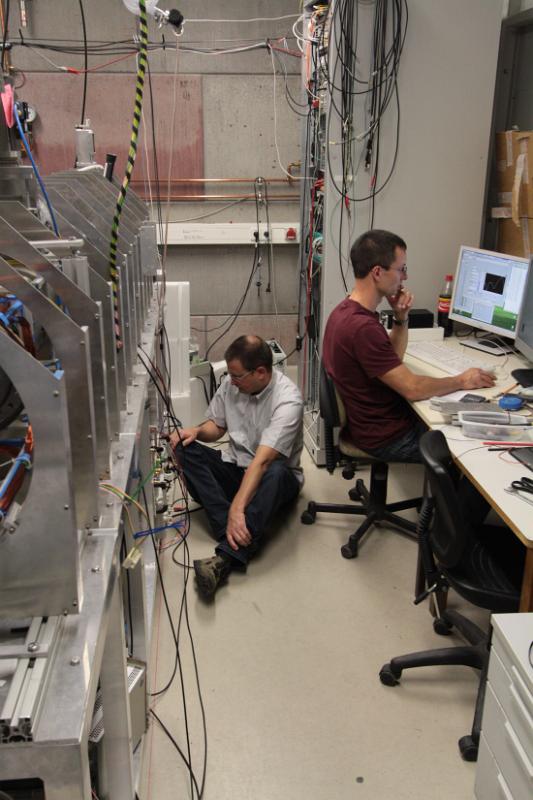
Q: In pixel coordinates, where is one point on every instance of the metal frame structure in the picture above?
(63, 626)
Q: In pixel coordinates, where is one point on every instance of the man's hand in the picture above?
(476, 378)
(183, 436)
(401, 303)
(237, 533)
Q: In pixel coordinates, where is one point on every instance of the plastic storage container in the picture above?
(495, 426)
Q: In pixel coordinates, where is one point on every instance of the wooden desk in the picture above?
(492, 471)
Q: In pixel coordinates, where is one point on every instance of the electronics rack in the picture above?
(320, 285)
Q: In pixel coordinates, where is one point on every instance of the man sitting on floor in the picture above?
(241, 488)
(366, 364)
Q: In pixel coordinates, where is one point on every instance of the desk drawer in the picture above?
(490, 783)
(515, 699)
(514, 762)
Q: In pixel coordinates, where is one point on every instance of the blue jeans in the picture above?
(214, 483)
(405, 448)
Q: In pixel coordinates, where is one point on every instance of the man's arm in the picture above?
(237, 533)
(401, 304)
(208, 431)
(399, 337)
(419, 387)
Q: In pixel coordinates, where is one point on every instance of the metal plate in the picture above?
(39, 568)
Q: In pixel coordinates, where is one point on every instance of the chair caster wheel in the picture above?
(308, 517)
(348, 473)
(468, 748)
(442, 627)
(349, 551)
(389, 676)
(355, 495)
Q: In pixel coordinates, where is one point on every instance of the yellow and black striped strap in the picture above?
(141, 71)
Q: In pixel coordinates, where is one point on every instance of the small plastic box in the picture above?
(496, 426)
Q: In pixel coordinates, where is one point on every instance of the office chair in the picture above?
(465, 557)
(374, 504)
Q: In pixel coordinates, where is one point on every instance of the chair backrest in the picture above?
(450, 534)
(333, 414)
(329, 409)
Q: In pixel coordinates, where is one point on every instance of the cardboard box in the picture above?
(515, 240)
(514, 171)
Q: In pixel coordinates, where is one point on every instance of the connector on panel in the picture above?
(132, 558)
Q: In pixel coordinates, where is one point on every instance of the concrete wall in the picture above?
(238, 127)
(435, 198)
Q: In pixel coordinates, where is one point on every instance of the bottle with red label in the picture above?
(443, 311)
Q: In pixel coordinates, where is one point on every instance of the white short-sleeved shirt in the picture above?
(274, 418)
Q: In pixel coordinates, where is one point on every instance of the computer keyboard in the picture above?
(446, 358)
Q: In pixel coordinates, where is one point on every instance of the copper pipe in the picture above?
(197, 197)
(218, 180)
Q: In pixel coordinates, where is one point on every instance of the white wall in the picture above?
(435, 197)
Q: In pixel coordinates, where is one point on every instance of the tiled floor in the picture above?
(288, 657)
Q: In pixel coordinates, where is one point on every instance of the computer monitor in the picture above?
(524, 329)
(488, 290)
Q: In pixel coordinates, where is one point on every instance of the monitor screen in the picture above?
(488, 290)
(524, 330)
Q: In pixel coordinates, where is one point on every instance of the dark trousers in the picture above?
(214, 483)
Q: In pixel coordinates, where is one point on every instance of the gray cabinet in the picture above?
(505, 761)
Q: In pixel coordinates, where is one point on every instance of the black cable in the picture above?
(4, 39)
(167, 401)
(184, 610)
(182, 755)
(238, 308)
(293, 104)
(176, 642)
(123, 554)
(382, 86)
(269, 243)
(86, 63)
(258, 183)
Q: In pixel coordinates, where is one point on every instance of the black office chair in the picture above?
(466, 557)
(374, 504)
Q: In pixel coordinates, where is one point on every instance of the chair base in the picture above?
(373, 506)
(476, 655)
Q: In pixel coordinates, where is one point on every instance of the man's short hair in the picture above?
(374, 248)
(251, 351)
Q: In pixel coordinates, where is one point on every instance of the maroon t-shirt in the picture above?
(355, 352)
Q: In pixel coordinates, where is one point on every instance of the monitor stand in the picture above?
(488, 346)
(523, 376)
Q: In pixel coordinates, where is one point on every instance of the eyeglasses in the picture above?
(403, 270)
(240, 378)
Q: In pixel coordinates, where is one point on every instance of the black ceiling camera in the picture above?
(175, 17)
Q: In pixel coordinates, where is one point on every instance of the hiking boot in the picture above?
(210, 572)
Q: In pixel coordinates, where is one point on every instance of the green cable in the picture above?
(140, 487)
(141, 71)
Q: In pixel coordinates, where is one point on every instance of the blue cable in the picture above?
(179, 524)
(34, 165)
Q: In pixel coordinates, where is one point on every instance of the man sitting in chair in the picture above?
(366, 364)
(241, 488)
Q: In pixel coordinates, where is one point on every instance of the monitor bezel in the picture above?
(478, 324)
(525, 348)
